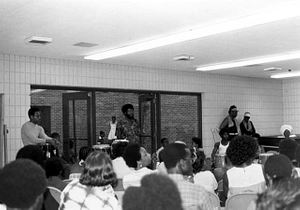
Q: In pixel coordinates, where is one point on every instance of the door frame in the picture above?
(84, 95)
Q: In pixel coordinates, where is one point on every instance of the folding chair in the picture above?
(55, 193)
(214, 200)
(240, 201)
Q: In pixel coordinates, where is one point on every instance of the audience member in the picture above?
(137, 159)
(285, 195)
(278, 167)
(22, 184)
(196, 142)
(156, 192)
(260, 148)
(35, 153)
(288, 148)
(178, 161)
(94, 188)
(202, 176)
(231, 123)
(243, 176)
(54, 169)
(77, 167)
(164, 142)
(119, 164)
(246, 126)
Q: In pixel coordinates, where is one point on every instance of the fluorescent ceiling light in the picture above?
(285, 75)
(268, 59)
(273, 14)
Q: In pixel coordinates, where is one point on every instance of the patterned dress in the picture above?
(128, 129)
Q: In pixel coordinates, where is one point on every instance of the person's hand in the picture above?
(51, 141)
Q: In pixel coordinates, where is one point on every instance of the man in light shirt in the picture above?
(32, 133)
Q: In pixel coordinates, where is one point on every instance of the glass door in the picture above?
(77, 122)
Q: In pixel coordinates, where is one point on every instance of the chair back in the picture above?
(55, 193)
(120, 195)
(240, 201)
(215, 201)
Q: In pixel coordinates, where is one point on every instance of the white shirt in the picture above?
(120, 167)
(207, 180)
(134, 178)
(33, 134)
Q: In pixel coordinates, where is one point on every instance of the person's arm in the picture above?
(225, 185)
(253, 128)
(216, 147)
(119, 131)
(242, 128)
(48, 139)
(224, 123)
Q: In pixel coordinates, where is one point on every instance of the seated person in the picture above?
(22, 184)
(157, 192)
(286, 131)
(260, 149)
(77, 167)
(54, 168)
(283, 195)
(244, 175)
(94, 189)
(288, 147)
(137, 159)
(221, 146)
(119, 164)
(203, 177)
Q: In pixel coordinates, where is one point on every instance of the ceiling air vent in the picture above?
(37, 40)
(85, 44)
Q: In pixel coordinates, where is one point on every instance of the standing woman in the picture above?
(113, 126)
(94, 189)
(230, 123)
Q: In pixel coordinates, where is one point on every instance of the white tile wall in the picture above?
(266, 99)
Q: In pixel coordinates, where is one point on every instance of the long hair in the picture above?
(98, 170)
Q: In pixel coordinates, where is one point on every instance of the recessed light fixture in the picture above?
(287, 74)
(85, 44)
(280, 12)
(183, 58)
(267, 59)
(272, 69)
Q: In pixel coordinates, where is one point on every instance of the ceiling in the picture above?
(116, 23)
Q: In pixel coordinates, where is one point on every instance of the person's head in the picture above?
(32, 152)
(136, 156)
(199, 163)
(256, 136)
(22, 183)
(157, 192)
(128, 111)
(164, 142)
(233, 111)
(278, 167)
(98, 170)
(53, 167)
(241, 150)
(286, 130)
(196, 142)
(224, 134)
(55, 135)
(118, 148)
(113, 119)
(178, 159)
(102, 134)
(247, 116)
(288, 147)
(282, 195)
(34, 115)
(84, 152)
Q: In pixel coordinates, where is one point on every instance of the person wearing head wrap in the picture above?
(22, 184)
(286, 131)
(128, 128)
(231, 123)
(247, 127)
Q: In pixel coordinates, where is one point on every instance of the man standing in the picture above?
(231, 123)
(31, 132)
(178, 161)
(128, 128)
(247, 127)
